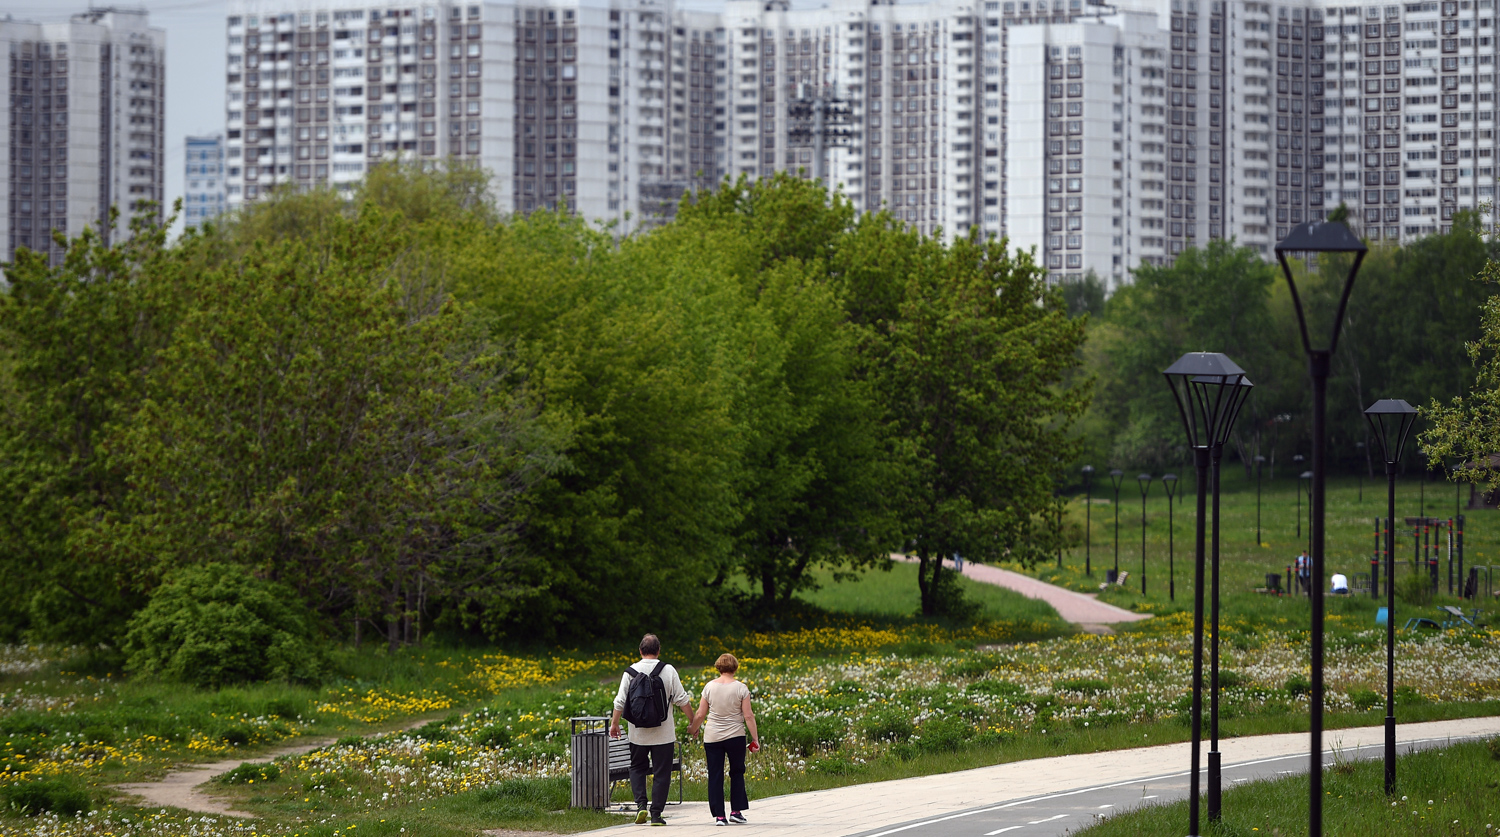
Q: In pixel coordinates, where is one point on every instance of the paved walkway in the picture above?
(884, 806)
(1079, 608)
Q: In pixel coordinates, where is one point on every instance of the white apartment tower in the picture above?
(203, 172)
(1103, 136)
(83, 131)
(607, 106)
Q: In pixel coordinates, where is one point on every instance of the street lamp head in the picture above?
(1209, 389)
(1088, 470)
(1144, 481)
(1321, 237)
(1297, 457)
(1259, 459)
(1116, 476)
(1169, 482)
(1305, 475)
(1392, 420)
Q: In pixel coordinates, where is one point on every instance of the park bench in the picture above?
(1119, 580)
(619, 765)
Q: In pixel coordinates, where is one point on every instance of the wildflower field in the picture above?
(845, 702)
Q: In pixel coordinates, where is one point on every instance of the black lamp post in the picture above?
(1209, 389)
(1297, 460)
(1144, 480)
(1306, 485)
(1319, 237)
(1169, 482)
(1088, 521)
(1117, 477)
(1260, 464)
(1391, 419)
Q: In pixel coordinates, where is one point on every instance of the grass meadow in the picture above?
(854, 688)
(1450, 791)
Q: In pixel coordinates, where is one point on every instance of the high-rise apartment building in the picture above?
(83, 130)
(1104, 136)
(607, 106)
(203, 176)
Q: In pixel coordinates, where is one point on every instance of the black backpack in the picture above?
(645, 698)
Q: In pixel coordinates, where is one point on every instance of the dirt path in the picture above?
(187, 788)
(1082, 609)
(180, 788)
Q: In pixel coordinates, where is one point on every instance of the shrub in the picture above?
(950, 601)
(249, 773)
(497, 737)
(888, 725)
(354, 741)
(217, 624)
(44, 795)
(432, 731)
(944, 735)
(807, 737)
(1084, 685)
(1408, 696)
(994, 687)
(837, 766)
(1415, 587)
(1297, 686)
(523, 798)
(1230, 679)
(237, 736)
(1364, 699)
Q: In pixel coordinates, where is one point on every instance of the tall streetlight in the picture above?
(1088, 522)
(1169, 482)
(1391, 419)
(1297, 460)
(1319, 237)
(1117, 477)
(1260, 464)
(1209, 389)
(1144, 480)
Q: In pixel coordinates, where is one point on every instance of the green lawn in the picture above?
(1450, 791)
(894, 594)
(1244, 563)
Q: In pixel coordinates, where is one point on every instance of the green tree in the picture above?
(969, 372)
(306, 423)
(1214, 298)
(77, 338)
(813, 461)
(1467, 427)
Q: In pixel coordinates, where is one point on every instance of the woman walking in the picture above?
(724, 714)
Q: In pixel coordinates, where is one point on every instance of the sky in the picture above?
(195, 62)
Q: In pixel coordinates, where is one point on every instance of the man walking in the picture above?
(651, 747)
(1304, 572)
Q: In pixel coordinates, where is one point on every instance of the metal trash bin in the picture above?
(1111, 576)
(590, 754)
(1273, 582)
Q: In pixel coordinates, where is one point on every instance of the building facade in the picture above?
(1102, 136)
(84, 129)
(203, 176)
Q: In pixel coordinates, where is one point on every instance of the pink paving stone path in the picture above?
(1078, 608)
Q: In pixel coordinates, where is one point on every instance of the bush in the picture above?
(944, 735)
(432, 731)
(249, 773)
(1298, 686)
(1415, 587)
(39, 797)
(949, 600)
(888, 725)
(497, 737)
(1364, 699)
(217, 624)
(524, 798)
(1083, 685)
(808, 737)
(994, 687)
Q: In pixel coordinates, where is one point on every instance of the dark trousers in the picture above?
(715, 753)
(654, 760)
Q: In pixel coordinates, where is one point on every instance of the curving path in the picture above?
(1082, 609)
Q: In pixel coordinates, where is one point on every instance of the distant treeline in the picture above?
(1413, 314)
(420, 415)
